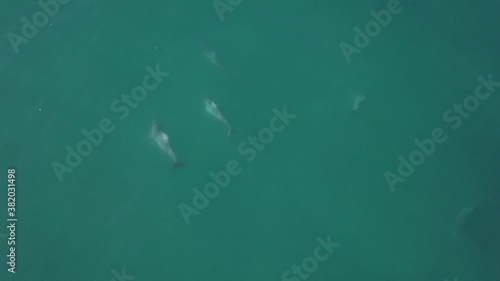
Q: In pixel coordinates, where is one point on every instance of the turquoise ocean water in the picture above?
(322, 176)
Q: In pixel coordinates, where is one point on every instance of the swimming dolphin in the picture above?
(477, 229)
(212, 108)
(213, 57)
(463, 220)
(357, 101)
(161, 139)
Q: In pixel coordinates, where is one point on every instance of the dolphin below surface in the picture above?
(214, 58)
(161, 139)
(213, 109)
(359, 99)
(477, 229)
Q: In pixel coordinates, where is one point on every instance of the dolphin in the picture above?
(213, 109)
(161, 139)
(359, 99)
(464, 220)
(213, 57)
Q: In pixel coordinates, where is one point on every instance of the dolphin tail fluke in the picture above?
(177, 164)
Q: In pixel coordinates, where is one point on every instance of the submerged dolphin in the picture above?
(477, 229)
(213, 57)
(464, 220)
(212, 108)
(161, 139)
(359, 99)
